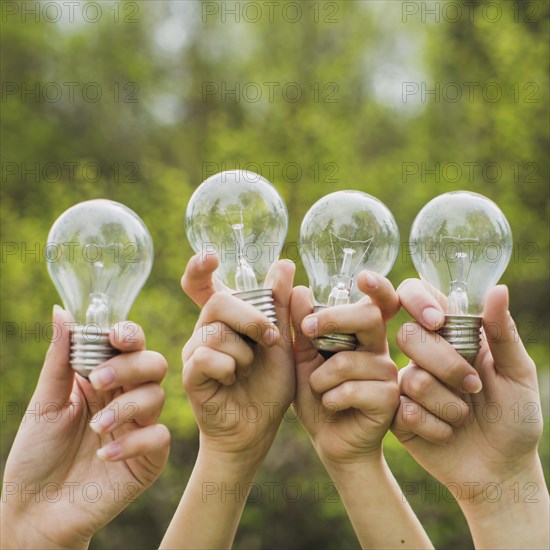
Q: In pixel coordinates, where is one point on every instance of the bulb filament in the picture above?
(457, 301)
(245, 278)
(98, 310)
(341, 283)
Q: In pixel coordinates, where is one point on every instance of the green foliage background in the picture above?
(360, 56)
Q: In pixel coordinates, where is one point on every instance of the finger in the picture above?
(425, 389)
(218, 336)
(366, 396)
(198, 280)
(362, 319)
(509, 354)
(281, 277)
(57, 376)
(153, 441)
(352, 365)
(142, 405)
(412, 420)
(205, 365)
(240, 316)
(301, 305)
(127, 336)
(422, 303)
(380, 291)
(128, 370)
(431, 352)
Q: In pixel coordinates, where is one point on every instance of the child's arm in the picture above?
(347, 404)
(484, 443)
(79, 433)
(224, 374)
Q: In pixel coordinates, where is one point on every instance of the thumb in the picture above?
(280, 277)
(509, 354)
(198, 280)
(56, 378)
(306, 356)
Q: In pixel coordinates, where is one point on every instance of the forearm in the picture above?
(511, 514)
(211, 507)
(379, 513)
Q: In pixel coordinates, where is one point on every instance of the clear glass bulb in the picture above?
(99, 255)
(342, 234)
(241, 218)
(461, 243)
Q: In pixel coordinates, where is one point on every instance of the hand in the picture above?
(238, 367)
(86, 449)
(481, 442)
(239, 375)
(347, 402)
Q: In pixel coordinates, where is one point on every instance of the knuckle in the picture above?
(247, 356)
(314, 382)
(348, 390)
(393, 395)
(185, 375)
(217, 302)
(417, 383)
(159, 362)
(342, 365)
(215, 332)
(201, 356)
(405, 284)
(441, 434)
(161, 394)
(163, 434)
(390, 368)
(373, 315)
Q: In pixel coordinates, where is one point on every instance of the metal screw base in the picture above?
(262, 299)
(89, 348)
(462, 332)
(330, 344)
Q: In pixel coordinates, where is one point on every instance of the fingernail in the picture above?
(102, 421)
(472, 384)
(270, 336)
(433, 317)
(371, 280)
(310, 325)
(288, 260)
(109, 451)
(102, 377)
(57, 309)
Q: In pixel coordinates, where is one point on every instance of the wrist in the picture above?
(222, 465)
(506, 492)
(17, 532)
(512, 512)
(249, 455)
(349, 468)
(352, 462)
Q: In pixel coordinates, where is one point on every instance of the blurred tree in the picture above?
(316, 103)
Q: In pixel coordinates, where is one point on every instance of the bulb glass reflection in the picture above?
(240, 217)
(342, 234)
(99, 255)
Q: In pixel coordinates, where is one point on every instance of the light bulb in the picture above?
(239, 217)
(99, 255)
(342, 234)
(461, 243)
